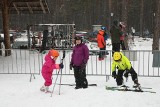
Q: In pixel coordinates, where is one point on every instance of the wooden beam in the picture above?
(25, 1)
(42, 7)
(16, 8)
(30, 9)
(29, 5)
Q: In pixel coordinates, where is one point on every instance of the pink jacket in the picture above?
(48, 68)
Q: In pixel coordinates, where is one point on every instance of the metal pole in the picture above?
(55, 83)
(60, 82)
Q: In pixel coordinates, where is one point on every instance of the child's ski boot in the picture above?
(123, 87)
(45, 89)
(137, 86)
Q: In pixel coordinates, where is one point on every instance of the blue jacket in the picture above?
(80, 54)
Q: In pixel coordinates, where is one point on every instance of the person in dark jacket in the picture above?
(115, 36)
(79, 60)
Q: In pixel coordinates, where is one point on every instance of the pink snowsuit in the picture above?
(48, 68)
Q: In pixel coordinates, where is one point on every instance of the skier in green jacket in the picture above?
(124, 67)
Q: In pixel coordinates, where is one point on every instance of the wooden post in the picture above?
(5, 15)
(156, 35)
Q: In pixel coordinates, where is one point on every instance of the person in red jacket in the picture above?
(101, 44)
(48, 67)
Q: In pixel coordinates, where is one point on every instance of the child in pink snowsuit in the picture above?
(48, 68)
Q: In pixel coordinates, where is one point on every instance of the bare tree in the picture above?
(141, 17)
(124, 19)
(5, 14)
(157, 28)
(110, 12)
(124, 11)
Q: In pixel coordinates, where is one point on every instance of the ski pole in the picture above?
(61, 72)
(55, 83)
(60, 78)
(60, 82)
(57, 76)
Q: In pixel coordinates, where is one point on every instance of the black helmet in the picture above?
(78, 38)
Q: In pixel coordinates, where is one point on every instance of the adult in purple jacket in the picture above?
(79, 60)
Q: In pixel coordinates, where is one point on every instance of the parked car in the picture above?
(20, 43)
(24, 33)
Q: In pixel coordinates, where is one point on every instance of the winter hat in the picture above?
(122, 24)
(53, 53)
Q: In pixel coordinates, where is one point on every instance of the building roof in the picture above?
(27, 7)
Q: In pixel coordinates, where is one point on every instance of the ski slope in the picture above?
(17, 91)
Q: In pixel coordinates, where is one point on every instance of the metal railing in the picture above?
(20, 62)
(145, 62)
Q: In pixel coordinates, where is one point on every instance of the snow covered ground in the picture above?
(17, 91)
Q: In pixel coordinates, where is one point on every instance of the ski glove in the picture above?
(114, 75)
(71, 66)
(61, 65)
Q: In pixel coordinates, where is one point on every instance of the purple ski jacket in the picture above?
(80, 54)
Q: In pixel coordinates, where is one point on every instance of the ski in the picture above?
(135, 87)
(75, 84)
(143, 87)
(127, 89)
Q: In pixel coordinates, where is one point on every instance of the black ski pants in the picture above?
(119, 78)
(80, 77)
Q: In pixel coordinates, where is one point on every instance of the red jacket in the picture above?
(100, 39)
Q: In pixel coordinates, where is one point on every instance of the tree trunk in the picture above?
(110, 12)
(156, 28)
(124, 19)
(5, 15)
(0, 49)
(141, 18)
